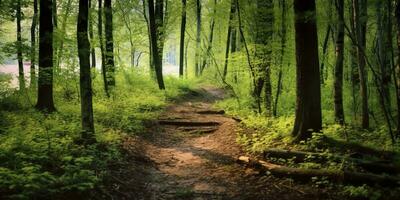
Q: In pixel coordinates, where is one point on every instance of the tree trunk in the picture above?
(398, 67)
(85, 76)
(263, 40)
(308, 103)
(45, 79)
(151, 63)
(55, 21)
(102, 51)
(228, 39)
(182, 41)
(154, 44)
(21, 77)
(33, 43)
(283, 46)
(360, 24)
(109, 54)
(198, 38)
(211, 39)
(59, 51)
(338, 79)
(324, 51)
(92, 51)
(384, 46)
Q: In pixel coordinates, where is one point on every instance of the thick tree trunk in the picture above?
(283, 46)
(109, 54)
(151, 63)
(85, 76)
(45, 79)
(154, 45)
(338, 79)
(21, 77)
(92, 51)
(33, 43)
(308, 103)
(228, 39)
(102, 51)
(198, 38)
(182, 40)
(360, 24)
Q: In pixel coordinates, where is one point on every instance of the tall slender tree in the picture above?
(109, 53)
(308, 117)
(85, 79)
(21, 76)
(338, 78)
(229, 37)
(198, 38)
(263, 39)
(182, 39)
(398, 66)
(210, 39)
(91, 36)
(360, 26)
(33, 43)
(101, 42)
(45, 100)
(155, 43)
(283, 33)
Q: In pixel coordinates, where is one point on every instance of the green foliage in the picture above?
(40, 155)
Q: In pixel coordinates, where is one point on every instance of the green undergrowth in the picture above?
(258, 133)
(40, 157)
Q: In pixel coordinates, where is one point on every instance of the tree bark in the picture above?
(21, 77)
(59, 52)
(92, 51)
(398, 67)
(283, 46)
(33, 43)
(198, 38)
(45, 100)
(338, 79)
(102, 51)
(228, 39)
(360, 24)
(85, 76)
(211, 39)
(154, 35)
(109, 54)
(308, 117)
(182, 40)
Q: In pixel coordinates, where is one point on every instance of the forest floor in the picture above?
(190, 152)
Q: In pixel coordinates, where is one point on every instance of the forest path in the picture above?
(190, 153)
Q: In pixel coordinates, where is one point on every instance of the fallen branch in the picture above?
(379, 166)
(211, 112)
(333, 175)
(187, 123)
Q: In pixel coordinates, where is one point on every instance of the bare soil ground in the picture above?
(190, 153)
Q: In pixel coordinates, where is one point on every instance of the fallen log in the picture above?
(211, 112)
(187, 123)
(333, 175)
(376, 166)
(198, 130)
(357, 148)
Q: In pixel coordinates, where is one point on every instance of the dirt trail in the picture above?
(190, 153)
